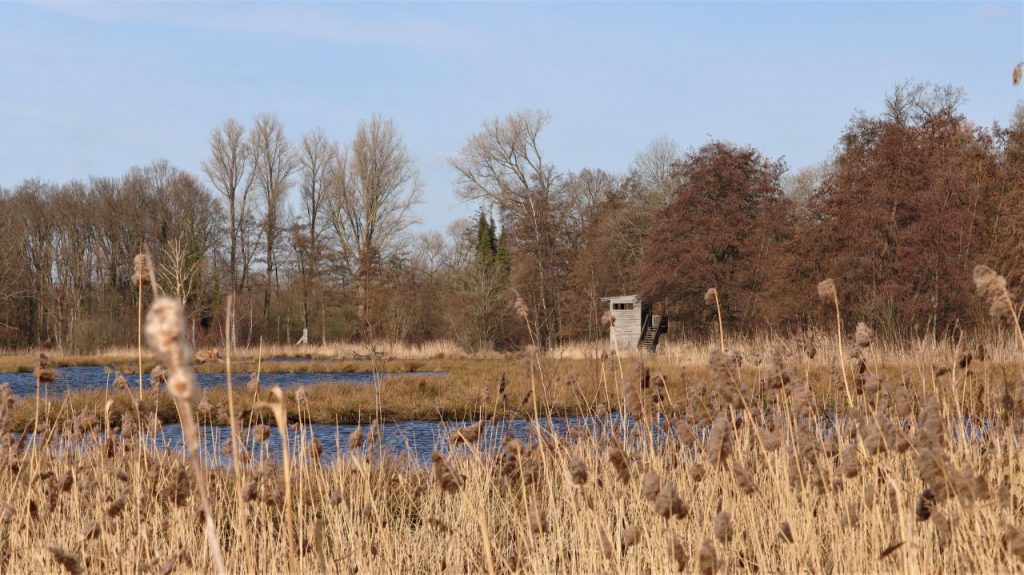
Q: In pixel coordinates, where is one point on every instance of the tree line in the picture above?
(318, 235)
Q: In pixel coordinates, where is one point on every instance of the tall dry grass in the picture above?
(897, 486)
(770, 458)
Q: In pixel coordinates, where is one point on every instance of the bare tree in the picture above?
(653, 169)
(317, 159)
(229, 169)
(375, 185)
(178, 272)
(273, 165)
(503, 165)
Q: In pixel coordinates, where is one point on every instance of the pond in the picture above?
(97, 377)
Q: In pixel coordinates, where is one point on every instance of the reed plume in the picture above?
(67, 560)
(679, 554)
(828, 294)
(864, 336)
(449, 481)
(711, 298)
(723, 527)
(165, 332)
(578, 471)
(707, 558)
(668, 503)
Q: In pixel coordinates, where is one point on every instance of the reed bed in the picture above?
(698, 484)
(831, 455)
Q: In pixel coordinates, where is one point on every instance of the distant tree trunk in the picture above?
(273, 165)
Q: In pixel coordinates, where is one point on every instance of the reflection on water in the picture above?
(94, 377)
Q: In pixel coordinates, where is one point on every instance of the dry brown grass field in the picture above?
(819, 454)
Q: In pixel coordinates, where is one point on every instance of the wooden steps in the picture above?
(652, 332)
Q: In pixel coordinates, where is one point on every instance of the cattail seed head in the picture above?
(355, 439)
(141, 275)
(1013, 539)
(165, 330)
(120, 383)
(725, 373)
(538, 519)
(720, 440)
(849, 462)
(679, 554)
(630, 537)
(864, 336)
(697, 472)
(468, 434)
(69, 561)
(723, 527)
(116, 507)
(1018, 71)
(449, 481)
(608, 319)
(181, 384)
(925, 505)
(165, 333)
(158, 376)
(786, 532)
(520, 308)
(651, 485)
(711, 296)
(668, 504)
(707, 559)
(43, 372)
(992, 287)
(91, 530)
(618, 459)
(827, 290)
(315, 448)
(578, 471)
(253, 385)
(744, 480)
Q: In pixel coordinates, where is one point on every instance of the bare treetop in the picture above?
(375, 184)
(503, 161)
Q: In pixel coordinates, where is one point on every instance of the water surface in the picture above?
(97, 377)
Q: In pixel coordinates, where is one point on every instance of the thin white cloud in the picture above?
(306, 21)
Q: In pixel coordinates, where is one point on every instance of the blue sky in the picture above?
(92, 89)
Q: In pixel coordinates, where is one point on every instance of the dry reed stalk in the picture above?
(240, 508)
(276, 406)
(711, 297)
(140, 278)
(992, 287)
(165, 332)
(827, 293)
